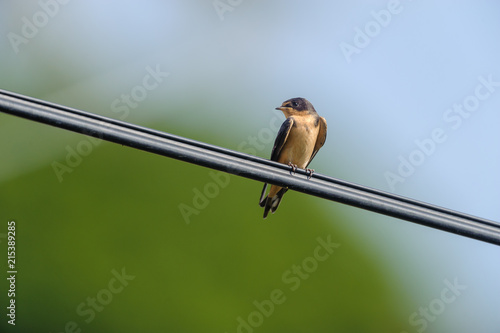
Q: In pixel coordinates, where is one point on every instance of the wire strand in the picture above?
(249, 166)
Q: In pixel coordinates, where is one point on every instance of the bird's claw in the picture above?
(293, 166)
(310, 173)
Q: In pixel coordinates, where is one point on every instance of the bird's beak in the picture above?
(280, 108)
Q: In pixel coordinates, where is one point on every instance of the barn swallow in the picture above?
(300, 137)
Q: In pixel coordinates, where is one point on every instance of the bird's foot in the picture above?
(310, 173)
(293, 166)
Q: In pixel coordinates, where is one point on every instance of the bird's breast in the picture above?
(300, 143)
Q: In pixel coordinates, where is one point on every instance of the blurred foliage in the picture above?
(119, 210)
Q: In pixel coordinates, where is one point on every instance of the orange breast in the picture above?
(300, 144)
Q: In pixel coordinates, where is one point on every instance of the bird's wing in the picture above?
(320, 141)
(281, 138)
(278, 146)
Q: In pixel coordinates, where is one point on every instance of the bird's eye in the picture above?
(295, 104)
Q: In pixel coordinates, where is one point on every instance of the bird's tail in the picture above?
(272, 203)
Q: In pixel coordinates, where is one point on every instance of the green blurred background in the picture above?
(105, 246)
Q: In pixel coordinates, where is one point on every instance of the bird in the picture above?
(299, 138)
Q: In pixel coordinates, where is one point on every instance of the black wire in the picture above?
(249, 166)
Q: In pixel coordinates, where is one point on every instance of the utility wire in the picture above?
(249, 166)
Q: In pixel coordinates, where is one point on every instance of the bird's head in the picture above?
(296, 106)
